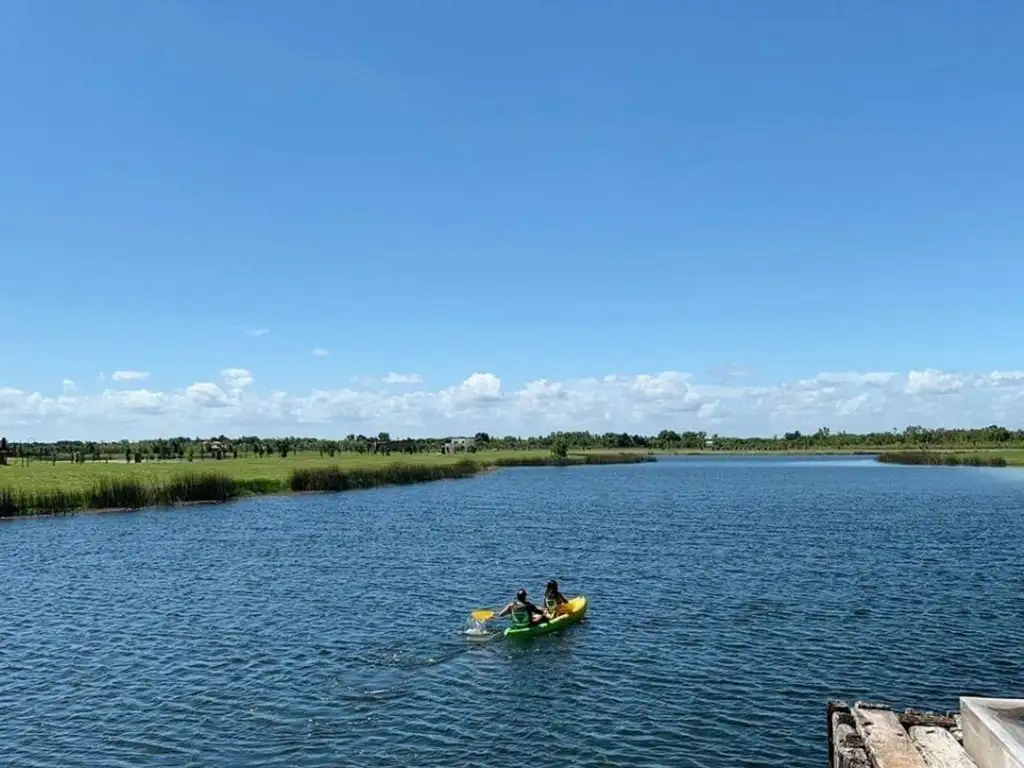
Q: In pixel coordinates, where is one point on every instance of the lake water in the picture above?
(729, 599)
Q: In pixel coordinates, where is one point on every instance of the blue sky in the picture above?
(551, 191)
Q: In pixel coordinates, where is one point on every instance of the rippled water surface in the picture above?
(729, 599)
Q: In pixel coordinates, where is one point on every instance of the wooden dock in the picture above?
(869, 735)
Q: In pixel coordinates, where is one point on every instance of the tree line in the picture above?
(252, 446)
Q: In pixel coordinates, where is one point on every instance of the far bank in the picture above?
(940, 457)
(45, 488)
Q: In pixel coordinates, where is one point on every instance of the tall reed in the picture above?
(941, 458)
(618, 458)
(130, 493)
(573, 459)
(54, 502)
(338, 479)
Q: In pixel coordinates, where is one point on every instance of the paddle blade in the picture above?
(482, 615)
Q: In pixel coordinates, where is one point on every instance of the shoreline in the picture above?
(213, 485)
(934, 457)
(769, 452)
(209, 502)
(948, 458)
(203, 487)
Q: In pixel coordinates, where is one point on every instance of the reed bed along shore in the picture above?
(133, 493)
(127, 487)
(573, 459)
(950, 459)
(338, 479)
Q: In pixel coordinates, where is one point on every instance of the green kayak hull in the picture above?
(574, 611)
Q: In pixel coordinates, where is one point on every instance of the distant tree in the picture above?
(668, 437)
(3, 451)
(559, 449)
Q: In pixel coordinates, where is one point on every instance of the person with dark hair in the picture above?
(553, 600)
(524, 613)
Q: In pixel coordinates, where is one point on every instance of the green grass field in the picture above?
(1014, 457)
(42, 476)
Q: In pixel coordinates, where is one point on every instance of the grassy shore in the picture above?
(975, 458)
(45, 488)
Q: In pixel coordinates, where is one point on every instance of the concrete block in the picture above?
(993, 731)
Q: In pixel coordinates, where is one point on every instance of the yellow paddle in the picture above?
(483, 614)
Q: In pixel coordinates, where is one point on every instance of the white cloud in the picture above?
(115, 402)
(129, 375)
(931, 381)
(205, 394)
(236, 378)
(402, 378)
(1002, 378)
(646, 403)
(391, 378)
(879, 379)
(11, 397)
(68, 386)
(320, 352)
(257, 331)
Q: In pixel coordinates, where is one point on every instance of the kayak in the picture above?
(572, 612)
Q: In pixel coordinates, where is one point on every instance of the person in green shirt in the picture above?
(524, 613)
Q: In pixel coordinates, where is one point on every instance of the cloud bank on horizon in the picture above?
(640, 403)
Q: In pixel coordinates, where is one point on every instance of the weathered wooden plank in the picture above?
(847, 746)
(886, 742)
(836, 711)
(939, 748)
(911, 717)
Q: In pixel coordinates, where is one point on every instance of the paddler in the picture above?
(523, 611)
(553, 599)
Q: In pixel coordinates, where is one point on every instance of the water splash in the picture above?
(479, 631)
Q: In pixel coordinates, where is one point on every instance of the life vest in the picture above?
(520, 616)
(554, 607)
